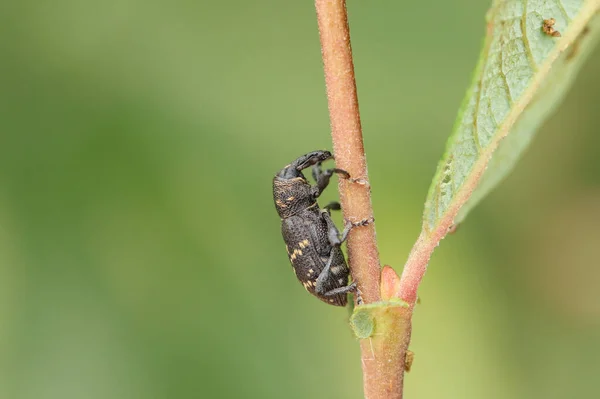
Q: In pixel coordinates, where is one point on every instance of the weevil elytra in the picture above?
(312, 239)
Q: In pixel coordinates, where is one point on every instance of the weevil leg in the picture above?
(332, 206)
(347, 228)
(322, 177)
(317, 171)
(364, 222)
(333, 233)
(342, 290)
(325, 275)
(358, 295)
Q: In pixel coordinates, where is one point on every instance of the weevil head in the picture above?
(292, 193)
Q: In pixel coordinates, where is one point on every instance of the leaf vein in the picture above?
(502, 73)
(528, 51)
(475, 116)
(561, 7)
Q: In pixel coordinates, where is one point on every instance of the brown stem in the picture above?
(348, 144)
(381, 379)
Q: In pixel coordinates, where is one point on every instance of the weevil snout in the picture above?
(294, 169)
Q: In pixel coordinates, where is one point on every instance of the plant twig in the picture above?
(382, 355)
(346, 133)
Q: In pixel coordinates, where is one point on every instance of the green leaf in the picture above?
(522, 75)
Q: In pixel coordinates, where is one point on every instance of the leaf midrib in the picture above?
(460, 198)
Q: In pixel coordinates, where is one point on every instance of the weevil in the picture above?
(311, 238)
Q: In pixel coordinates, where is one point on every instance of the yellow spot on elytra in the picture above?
(303, 244)
(280, 204)
(296, 253)
(290, 198)
(310, 271)
(337, 269)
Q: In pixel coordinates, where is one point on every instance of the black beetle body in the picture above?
(312, 239)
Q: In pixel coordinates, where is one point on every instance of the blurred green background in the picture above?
(140, 252)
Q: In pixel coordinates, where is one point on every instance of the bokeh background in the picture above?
(140, 253)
